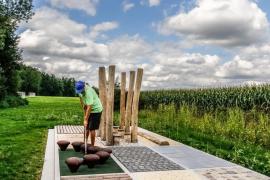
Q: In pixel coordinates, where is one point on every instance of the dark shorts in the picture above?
(94, 121)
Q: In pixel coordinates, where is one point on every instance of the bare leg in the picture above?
(87, 135)
(93, 137)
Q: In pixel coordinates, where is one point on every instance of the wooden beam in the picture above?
(110, 105)
(103, 97)
(154, 139)
(129, 101)
(123, 100)
(135, 106)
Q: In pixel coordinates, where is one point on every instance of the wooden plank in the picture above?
(110, 105)
(72, 130)
(48, 165)
(103, 97)
(68, 129)
(129, 101)
(123, 100)
(65, 129)
(60, 130)
(81, 129)
(135, 106)
(154, 139)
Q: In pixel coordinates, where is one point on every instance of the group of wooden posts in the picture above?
(129, 105)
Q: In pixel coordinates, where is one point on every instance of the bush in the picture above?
(13, 101)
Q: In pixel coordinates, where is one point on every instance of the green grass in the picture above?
(23, 134)
(224, 134)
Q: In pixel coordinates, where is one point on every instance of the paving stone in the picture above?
(191, 158)
(233, 173)
(143, 159)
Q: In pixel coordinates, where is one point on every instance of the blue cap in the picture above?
(79, 86)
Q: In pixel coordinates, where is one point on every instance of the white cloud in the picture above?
(62, 38)
(127, 6)
(154, 3)
(66, 48)
(88, 6)
(223, 22)
(251, 63)
(129, 49)
(102, 27)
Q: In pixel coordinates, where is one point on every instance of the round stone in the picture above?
(82, 147)
(63, 144)
(91, 159)
(77, 146)
(74, 163)
(103, 155)
(108, 150)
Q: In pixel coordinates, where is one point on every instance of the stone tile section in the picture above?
(99, 177)
(191, 158)
(69, 129)
(143, 159)
(232, 173)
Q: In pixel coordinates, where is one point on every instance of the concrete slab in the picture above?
(48, 166)
(167, 175)
(232, 173)
(198, 164)
(191, 158)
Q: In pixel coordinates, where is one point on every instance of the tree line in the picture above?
(32, 80)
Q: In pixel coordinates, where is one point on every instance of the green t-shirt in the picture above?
(90, 97)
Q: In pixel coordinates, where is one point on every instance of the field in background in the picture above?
(241, 136)
(229, 122)
(224, 134)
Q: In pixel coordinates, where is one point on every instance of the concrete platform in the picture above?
(194, 163)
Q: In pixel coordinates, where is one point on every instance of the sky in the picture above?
(178, 43)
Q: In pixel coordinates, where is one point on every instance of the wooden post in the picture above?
(110, 105)
(135, 106)
(123, 100)
(103, 97)
(129, 101)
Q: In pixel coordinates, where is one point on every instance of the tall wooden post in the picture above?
(123, 100)
(135, 106)
(129, 101)
(103, 97)
(110, 105)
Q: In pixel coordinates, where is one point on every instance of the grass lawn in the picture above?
(23, 134)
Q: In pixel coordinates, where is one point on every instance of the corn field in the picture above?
(245, 98)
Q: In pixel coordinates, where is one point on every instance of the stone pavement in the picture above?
(232, 173)
(191, 158)
(143, 159)
(146, 160)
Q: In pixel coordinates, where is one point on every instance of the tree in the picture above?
(29, 79)
(68, 87)
(2, 86)
(12, 12)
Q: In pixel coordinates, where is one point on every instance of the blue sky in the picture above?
(179, 43)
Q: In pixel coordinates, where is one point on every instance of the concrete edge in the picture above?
(92, 175)
(48, 165)
(56, 158)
